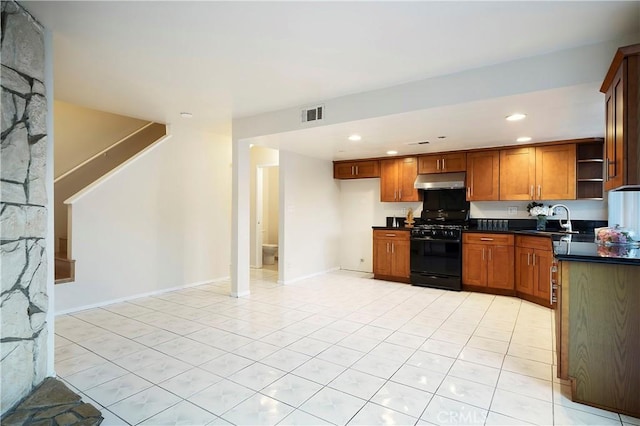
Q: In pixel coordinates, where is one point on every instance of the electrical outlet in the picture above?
(512, 211)
(361, 260)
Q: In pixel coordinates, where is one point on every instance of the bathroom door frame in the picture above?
(260, 211)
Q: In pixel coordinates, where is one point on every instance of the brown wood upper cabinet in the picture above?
(356, 169)
(621, 87)
(483, 172)
(442, 163)
(397, 177)
(538, 173)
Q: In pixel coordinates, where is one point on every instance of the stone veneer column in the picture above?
(23, 207)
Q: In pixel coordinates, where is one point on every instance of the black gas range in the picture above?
(436, 240)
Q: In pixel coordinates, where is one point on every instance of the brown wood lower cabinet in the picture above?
(534, 260)
(487, 261)
(391, 250)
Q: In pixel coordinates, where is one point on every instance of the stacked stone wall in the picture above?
(23, 207)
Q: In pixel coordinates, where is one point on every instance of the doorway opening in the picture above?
(265, 214)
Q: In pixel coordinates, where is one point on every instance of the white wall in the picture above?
(81, 133)
(309, 216)
(160, 222)
(271, 203)
(580, 209)
(581, 65)
(360, 209)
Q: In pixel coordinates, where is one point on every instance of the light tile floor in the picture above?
(335, 349)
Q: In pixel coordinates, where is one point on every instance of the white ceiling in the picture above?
(225, 60)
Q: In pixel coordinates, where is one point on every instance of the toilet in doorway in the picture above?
(269, 252)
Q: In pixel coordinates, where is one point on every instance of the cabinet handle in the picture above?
(357, 171)
(486, 239)
(437, 164)
(352, 171)
(528, 259)
(400, 194)
(534, 259)
(490, 250)
(483, 253)
(443, 166)
(387, 247)
(468, 193)
(393, 247)
(539, 191)
(531, 192)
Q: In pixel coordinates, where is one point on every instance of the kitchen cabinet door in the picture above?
(474, 271)
(543, 264)
(388, 180)
(614, 132)
(356, 169)
(621, 87)
(500, 272)
(401, 251)
(397, 177)
(524, 271)
(381, 256)
(483, 176)
(556, 172)
(517, 173)
(407, 173)
(391, 254)
(442, 163)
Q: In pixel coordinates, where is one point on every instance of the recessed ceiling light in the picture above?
(515, 117)
(186, 115)
(355, 138)
(392, 152)
(523, 139)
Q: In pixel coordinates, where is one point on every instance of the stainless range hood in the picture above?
(440, 181)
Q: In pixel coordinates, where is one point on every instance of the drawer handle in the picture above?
(389, 235)
(486, 239)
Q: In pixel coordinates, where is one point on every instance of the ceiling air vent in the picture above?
(315, 113)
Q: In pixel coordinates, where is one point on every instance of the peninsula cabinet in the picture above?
(534, 262)
(391, 251)
(487, 261)
(538, 173)
(356, 169)
(483, 176)
(397, 177)
(442, 163)
(598, 338)
(621, 87)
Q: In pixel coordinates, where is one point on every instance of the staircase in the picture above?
(83, 175)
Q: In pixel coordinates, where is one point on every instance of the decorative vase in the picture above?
(541, 223)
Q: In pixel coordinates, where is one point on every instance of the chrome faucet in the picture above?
(567, 225)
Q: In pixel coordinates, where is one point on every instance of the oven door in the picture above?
(436, 263)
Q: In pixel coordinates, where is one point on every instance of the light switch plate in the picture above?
(512, 211)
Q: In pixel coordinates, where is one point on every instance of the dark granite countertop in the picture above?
(578, 250)
(390, 228)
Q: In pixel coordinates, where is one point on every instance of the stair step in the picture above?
(65, 269)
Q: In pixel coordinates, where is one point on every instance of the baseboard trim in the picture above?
(295, 280)
(138, 296)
